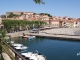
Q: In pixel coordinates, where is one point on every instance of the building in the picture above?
(55, 21)
(69, 23)
(27, 14)
(3, 17)
(1, 25)
(0, 20)
(78, 22)
(15, 12)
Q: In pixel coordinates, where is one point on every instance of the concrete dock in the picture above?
(55, 36)
(59, 33)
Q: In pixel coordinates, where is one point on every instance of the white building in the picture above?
(1, 25)
(78, 24)
(0, 20)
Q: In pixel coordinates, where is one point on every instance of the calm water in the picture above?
(52, 49)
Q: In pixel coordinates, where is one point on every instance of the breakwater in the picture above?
(47, 35)
(56, 36)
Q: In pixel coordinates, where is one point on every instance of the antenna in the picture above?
(36, 51)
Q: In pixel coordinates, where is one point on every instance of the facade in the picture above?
(70, 24)
(55, 21)
(27, 14)
(1, 25)
(78, 22)
(0, 20)
(3, 16)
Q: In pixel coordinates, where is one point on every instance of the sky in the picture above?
(69, 8)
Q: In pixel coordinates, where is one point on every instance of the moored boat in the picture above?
(33, 56)
(11, 42)
(25, 36)
(31, 37)
(6, 37)
(21, 47)
(16, 45)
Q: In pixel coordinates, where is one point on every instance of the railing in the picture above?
(17, 55)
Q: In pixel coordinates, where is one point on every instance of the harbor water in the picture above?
(51, 48)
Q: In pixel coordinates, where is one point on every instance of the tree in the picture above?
(34, 13)
(18, 25)
(21, 13)
(11, 15)
(3, 33)
(39, 2)
(42, 14)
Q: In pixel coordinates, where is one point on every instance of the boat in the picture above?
(33, 56)
(6, 38)
(37, 57)
(27, 55)
(11, 42)
(31, 37)
(16, 45)
(25, 36)
(21, 47)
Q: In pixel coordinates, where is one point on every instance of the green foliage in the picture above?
(12, 15)
(17, 25)
(42, 13)
(0, 49)
(3, 33)
(39, 2)
(46, 14)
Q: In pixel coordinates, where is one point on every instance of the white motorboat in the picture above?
(29, 54)
(6, 38)
(11, 42)
(16, 45)
(37, 57)
(33, 56)
(31, 37)
(41, 57)
(20, 47)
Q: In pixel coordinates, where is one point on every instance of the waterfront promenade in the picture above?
(61, 33)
